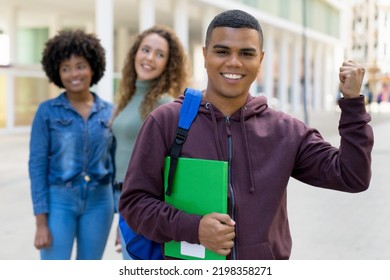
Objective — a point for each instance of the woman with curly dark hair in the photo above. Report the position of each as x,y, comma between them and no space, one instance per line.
156,71
71,166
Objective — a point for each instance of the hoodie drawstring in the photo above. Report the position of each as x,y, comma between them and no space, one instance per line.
216,135
246,146
245,140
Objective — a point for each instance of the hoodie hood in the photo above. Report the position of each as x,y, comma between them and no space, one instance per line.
253,106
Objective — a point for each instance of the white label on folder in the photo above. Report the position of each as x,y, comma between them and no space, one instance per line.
192,250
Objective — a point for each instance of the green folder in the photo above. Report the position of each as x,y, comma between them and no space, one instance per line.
199,187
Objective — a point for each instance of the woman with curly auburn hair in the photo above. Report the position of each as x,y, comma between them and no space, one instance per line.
71,166
156,71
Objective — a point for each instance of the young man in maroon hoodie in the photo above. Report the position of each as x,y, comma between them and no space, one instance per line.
263,147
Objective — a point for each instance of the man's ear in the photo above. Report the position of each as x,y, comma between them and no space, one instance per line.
261,60
261,57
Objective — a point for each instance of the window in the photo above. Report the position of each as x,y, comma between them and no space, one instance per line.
4,50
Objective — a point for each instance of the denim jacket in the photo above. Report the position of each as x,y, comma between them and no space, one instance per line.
67,150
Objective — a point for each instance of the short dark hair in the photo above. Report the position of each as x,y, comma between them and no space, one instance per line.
234,19
73,42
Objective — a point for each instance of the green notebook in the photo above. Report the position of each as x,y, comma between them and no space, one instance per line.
199,187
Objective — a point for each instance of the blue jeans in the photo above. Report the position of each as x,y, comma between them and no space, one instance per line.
80,213
125,255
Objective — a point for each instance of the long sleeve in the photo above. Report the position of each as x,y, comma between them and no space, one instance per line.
39,162
347,168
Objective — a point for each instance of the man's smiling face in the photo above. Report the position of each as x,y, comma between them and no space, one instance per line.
232,59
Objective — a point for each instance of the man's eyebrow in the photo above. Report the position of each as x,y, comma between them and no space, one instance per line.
249,49
219,46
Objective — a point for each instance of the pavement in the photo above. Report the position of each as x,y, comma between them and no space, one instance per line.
325,225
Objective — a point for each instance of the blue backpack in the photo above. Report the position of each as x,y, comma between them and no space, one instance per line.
138,246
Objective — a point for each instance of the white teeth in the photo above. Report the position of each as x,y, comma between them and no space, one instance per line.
147,66
233,76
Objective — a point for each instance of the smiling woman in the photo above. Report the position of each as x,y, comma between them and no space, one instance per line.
71,165
76,75
154,73
151,57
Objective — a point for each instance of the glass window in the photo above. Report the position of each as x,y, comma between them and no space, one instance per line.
29,92
4,50
31,42
3,100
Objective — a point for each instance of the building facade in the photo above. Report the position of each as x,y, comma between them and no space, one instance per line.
303,44
370,40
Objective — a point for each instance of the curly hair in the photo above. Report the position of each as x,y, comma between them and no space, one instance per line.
73,42
172,81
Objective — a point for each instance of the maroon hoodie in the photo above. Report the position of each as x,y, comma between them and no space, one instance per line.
266,148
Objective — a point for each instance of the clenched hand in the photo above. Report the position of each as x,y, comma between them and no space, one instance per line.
216,233
351,77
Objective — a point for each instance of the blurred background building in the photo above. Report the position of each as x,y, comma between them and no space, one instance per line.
305,42
369,42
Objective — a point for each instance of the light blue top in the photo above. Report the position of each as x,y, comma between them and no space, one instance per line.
66,149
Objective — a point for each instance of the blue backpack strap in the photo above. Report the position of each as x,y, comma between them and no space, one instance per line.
188,112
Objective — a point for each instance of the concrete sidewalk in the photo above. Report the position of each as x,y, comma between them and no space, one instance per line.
332,225
324,224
